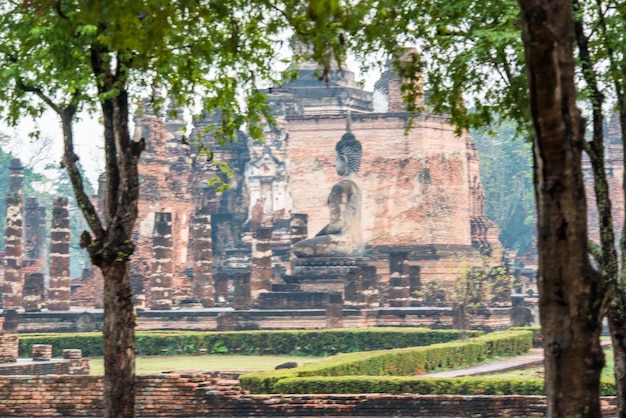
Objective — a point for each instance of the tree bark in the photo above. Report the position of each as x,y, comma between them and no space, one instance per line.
569,289
119,341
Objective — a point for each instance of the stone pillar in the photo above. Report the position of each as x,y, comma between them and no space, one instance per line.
13,253
353,289
398,291
34,230
242,299
334,311
261,275
162,263
137,286
369,286
16,177
202,256
221,288
34,292
298,227
59,291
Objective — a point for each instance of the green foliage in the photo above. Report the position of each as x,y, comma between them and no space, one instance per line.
537,334
305,343
471,54
479,385
478,282
506,172
400,362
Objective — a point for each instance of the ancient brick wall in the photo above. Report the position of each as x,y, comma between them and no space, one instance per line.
52,367
165,170
414,186
197,394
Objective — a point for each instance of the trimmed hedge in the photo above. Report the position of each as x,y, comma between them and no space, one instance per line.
305,343
478,385
400,362
470,385
537,335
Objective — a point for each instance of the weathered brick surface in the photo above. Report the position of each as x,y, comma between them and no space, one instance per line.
202,255
198,394
261,275
59,292
9,346
54,366
162,263
13,253
414,186
33,296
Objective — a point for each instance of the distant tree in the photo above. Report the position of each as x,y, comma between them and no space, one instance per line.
506,172
471,285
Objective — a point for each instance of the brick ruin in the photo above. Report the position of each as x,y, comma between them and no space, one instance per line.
422,195
209,394
422,208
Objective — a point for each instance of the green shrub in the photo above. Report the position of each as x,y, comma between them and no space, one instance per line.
477,385
471,385
537,335
401,362
306,343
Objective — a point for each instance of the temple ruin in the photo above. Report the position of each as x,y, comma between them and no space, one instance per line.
197,247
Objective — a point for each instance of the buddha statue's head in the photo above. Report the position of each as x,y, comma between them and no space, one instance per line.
349,152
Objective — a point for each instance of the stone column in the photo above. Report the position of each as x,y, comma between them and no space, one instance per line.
34,292
353,290
398,291
298,225
334,311
202,256
34,230
13,253
16,177
261,275
242,299
162,262
221,288
59,291
369,286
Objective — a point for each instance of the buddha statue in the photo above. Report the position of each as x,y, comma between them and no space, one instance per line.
342,236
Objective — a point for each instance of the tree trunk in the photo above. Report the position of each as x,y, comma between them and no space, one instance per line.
569,289
119,341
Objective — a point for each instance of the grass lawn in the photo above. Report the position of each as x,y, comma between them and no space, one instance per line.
158,364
